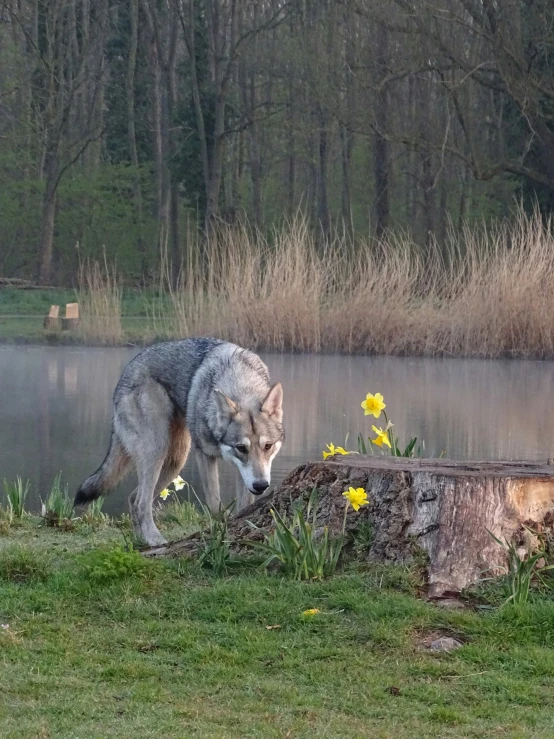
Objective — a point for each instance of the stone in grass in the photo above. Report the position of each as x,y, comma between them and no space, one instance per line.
445,644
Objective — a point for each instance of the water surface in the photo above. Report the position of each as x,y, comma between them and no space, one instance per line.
55,409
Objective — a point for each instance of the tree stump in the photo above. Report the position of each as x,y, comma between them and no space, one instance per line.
52,320
443,508
71,319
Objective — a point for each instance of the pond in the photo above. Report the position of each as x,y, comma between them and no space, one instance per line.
56,407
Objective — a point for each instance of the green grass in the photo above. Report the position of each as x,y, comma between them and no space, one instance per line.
14,301
22,313
37,302
168,650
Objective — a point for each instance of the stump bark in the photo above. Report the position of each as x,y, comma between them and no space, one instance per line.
443,508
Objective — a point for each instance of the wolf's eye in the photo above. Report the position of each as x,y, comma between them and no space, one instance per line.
242,448
268,446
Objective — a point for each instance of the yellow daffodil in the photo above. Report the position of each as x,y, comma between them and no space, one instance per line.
164,494
311,612
334,450
382,437
373,405
356,497
178,483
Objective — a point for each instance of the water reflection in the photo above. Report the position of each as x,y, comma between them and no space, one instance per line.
56,405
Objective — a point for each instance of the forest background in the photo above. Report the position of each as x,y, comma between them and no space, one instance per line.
130,124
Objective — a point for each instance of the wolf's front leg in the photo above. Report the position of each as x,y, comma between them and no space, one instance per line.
207,466
243,496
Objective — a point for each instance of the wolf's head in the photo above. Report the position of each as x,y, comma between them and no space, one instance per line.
253,436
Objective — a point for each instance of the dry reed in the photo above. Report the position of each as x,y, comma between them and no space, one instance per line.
99,297
492,294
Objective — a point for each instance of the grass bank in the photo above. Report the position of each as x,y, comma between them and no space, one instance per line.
485,293
91,647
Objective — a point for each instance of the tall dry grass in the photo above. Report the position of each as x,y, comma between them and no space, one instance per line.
99,296
500,299
238,286
492,294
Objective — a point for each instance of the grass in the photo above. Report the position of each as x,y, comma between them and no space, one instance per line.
486,292
181,513
166,649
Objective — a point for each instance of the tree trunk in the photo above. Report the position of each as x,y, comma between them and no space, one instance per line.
323,159
546,146
291,149
428,197
47,223
176,251
346,156
442,508
131,132
216,168
160,210
255,154
380,144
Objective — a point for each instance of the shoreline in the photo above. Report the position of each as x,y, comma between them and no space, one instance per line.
72,341
488,301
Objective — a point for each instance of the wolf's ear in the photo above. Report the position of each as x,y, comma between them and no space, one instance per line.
226,406
273,403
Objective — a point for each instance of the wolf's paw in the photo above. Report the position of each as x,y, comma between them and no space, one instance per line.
156,541
153,538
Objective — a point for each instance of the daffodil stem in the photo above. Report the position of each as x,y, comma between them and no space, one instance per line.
344,519
391,436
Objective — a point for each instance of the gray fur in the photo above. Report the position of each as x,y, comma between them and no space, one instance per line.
204,393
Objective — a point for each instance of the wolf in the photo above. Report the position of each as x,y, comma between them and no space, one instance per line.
205,393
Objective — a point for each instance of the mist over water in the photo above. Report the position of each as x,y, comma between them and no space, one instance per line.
55,410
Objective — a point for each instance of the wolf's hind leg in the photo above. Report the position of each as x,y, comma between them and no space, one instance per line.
149,469
141,500
207,466
179,447
146,420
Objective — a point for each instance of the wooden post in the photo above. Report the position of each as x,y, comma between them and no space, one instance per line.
443,509
52,320
71,320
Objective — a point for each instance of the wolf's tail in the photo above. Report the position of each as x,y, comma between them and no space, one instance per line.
114,467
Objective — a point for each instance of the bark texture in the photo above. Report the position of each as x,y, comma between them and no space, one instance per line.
443,508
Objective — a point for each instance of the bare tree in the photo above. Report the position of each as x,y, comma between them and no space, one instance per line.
229,29
130,82
66,42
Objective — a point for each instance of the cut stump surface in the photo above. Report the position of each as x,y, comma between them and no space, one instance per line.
444,508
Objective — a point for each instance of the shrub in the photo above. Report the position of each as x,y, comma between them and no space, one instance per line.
114,563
